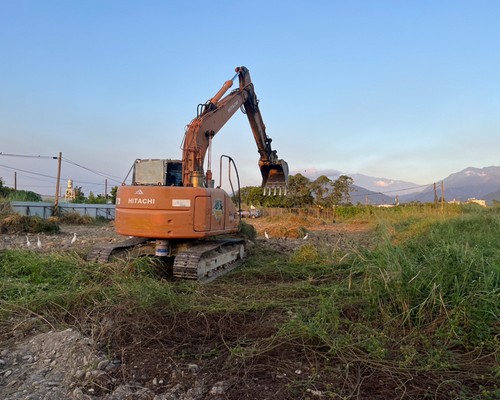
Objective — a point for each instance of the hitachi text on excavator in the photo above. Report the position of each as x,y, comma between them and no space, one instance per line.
173,206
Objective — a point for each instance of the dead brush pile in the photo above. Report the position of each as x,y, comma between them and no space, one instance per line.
5,209
15,223
73,218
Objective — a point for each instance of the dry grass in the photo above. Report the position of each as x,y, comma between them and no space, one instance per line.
15,223
73,218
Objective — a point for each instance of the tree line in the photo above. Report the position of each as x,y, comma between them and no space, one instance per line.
302,192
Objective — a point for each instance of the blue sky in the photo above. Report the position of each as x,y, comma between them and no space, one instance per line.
396,89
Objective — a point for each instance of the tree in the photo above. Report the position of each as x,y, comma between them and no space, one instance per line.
114,190
252,195
321,189
322,192
273,201
93,199
79,195
299,191
341,193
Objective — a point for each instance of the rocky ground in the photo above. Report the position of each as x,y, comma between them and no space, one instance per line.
68,365
37,363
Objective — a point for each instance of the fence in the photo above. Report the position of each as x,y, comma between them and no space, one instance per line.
45,210
107,211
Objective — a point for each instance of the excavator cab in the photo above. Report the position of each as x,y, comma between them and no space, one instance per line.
274,177
157,172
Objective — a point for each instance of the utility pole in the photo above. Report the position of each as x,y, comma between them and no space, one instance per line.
15,181
435,195
56,202
105,188
442,195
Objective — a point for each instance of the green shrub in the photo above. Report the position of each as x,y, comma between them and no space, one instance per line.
18,195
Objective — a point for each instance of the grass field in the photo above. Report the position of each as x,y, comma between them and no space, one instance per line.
413,315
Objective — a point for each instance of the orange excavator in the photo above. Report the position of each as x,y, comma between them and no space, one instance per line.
174,207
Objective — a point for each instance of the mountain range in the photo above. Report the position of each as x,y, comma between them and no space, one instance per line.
479,183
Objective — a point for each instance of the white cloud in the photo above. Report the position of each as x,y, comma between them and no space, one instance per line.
383,184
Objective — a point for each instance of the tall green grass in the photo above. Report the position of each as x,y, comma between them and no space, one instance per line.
45,283
445,281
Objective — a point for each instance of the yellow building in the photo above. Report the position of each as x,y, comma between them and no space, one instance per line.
70,192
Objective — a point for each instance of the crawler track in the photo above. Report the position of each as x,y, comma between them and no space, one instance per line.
103,252
203,261
206,261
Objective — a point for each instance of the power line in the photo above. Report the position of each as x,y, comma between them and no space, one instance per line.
26,156
385,192
103,174
28,172
402,190
100,173
47,176
30,177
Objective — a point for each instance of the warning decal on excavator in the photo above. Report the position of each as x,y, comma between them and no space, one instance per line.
218,209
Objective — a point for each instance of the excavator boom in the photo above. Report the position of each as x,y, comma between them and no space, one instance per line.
213,116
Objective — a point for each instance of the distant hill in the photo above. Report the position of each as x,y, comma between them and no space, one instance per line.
492,196
378,190
364,196
468,183
389,186
479,183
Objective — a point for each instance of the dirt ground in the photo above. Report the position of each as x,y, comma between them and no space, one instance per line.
86,237
38,363
287,233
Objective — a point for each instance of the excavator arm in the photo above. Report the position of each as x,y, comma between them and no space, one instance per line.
212,117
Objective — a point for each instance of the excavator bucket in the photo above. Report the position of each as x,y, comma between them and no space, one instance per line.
275,178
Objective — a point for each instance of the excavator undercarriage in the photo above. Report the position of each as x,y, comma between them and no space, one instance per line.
203,261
